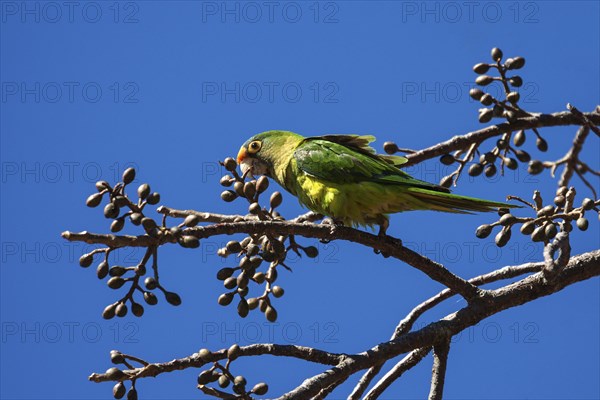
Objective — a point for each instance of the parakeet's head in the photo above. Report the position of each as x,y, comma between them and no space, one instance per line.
262,154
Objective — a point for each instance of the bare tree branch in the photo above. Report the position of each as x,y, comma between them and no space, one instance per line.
438,373
407,323
388,245
463,141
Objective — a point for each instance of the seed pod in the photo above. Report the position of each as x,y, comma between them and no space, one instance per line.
137,309
276,200
223,381
173,298
587,204
490,170
271,275
311,251
550,231
483,231
498,110
233,352
148,224
535,167
102,270
228,196
121,310
252,303
238,188
513,97
226,180
150,283
254,208
262,184
277,291
476,93
481,68
242,308
486,99
496,54
539,234
114,373
119,390
485,115
243,292
111,211
189,242
510,163
116,357
230,282
117,270
522,155
230,164
515,63
140,270
484,80
204,377
191,220
528,227
132,394
242,280
94,200
447,159
240,380
109,311
507,219
559,200
128,175
259,277
224,273
150,298
115,282
446,181
86,260
541,144
502,143
546,211
503,237
260,389
519,138
204,354
249,190
582,223
136,218
475,169
233,246
516,81
143,191
262,305
153,198
101,185
390,147
502,211
117,225
271,314
225,299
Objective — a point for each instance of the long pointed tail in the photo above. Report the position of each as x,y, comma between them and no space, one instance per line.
447,202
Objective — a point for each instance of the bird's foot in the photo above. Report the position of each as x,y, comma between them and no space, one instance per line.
333,224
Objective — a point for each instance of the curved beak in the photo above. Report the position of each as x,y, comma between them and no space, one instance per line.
242,154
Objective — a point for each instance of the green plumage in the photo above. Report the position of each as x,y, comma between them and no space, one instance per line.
342,177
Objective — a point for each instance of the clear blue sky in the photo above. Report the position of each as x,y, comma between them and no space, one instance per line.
171,87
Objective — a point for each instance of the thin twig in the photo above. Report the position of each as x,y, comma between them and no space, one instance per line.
411,359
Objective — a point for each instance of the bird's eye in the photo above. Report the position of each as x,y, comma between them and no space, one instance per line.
254,147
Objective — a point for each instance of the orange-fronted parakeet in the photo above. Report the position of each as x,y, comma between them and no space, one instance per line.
342,177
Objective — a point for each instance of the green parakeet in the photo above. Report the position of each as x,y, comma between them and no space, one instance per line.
342,177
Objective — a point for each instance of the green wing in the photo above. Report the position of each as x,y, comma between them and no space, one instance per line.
350,159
